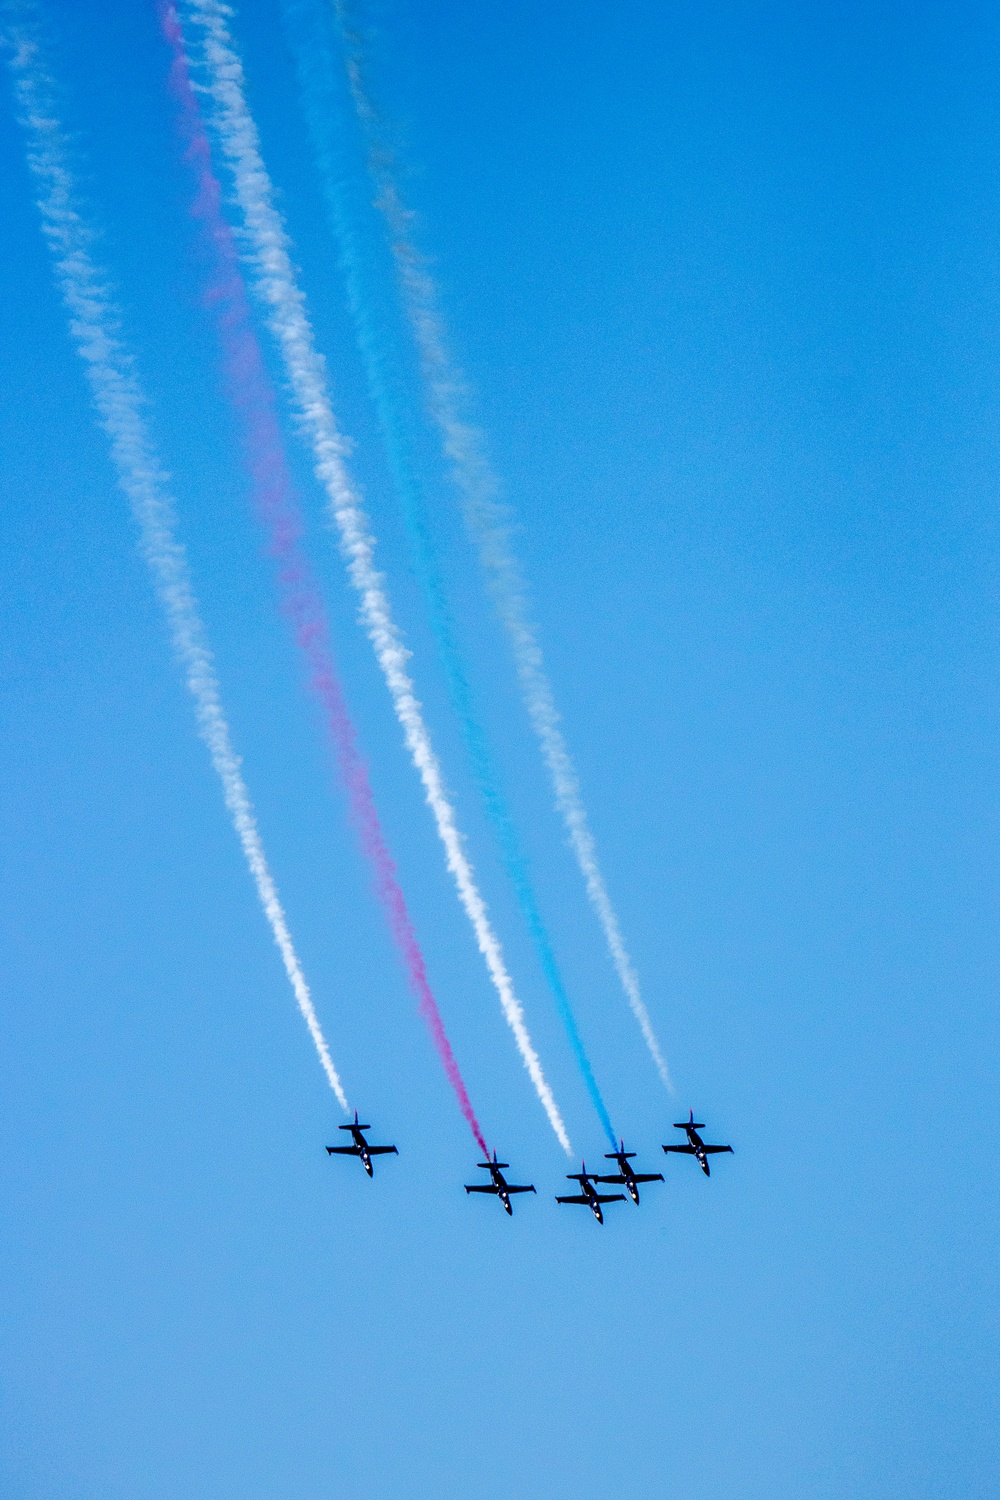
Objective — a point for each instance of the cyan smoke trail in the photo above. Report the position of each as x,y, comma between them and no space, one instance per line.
316,69
253,397
485,517
95,325
276,284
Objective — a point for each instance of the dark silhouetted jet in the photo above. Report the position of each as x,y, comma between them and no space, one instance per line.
361,1147
625,1175
500,1186
696,1146
588,1194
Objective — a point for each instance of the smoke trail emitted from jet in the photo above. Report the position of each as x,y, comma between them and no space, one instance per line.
253,398
277,287
485,517
316,72
95,327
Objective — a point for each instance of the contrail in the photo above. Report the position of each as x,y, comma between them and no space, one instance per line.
95,327
253,397
487,520
277,286
315,65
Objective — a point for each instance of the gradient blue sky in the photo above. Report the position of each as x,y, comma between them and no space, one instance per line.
725,282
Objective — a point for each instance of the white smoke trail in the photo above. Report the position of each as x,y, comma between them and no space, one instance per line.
479,489
94,324
277,286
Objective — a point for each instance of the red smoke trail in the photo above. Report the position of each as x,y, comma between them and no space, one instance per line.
252,395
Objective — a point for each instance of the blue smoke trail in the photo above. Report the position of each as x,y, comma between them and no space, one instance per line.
323,102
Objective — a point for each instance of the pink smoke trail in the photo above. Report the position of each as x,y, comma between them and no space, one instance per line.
253,396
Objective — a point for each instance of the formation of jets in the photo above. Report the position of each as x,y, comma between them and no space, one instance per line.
587,1197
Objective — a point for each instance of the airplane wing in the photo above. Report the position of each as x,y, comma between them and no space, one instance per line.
642,1177
574,1198
343,1150
514,1188
382,1151
616,1178
483,1187
610,1197
685,1150
712,1150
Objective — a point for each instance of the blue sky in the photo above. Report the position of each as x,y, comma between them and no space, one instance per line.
723,279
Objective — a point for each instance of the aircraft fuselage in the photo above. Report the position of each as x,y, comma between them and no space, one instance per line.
591,1194
362,1146
698,1146
501,1186
627,1177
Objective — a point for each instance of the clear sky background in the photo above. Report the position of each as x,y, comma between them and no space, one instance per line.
725,282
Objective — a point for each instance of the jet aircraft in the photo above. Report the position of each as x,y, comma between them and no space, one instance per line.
361,1147
499,1185
696,1146
625,1174
588,1194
